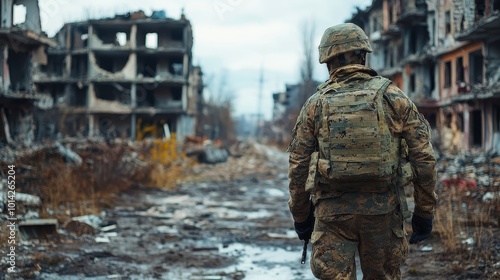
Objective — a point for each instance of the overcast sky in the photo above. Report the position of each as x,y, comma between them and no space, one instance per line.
236,38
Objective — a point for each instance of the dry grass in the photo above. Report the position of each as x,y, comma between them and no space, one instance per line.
166,176
68,190
466,227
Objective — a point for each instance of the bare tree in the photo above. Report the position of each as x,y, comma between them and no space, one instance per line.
307,84
307,64
217,121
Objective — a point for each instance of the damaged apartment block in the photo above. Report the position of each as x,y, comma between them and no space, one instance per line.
445,55
130,76
22,47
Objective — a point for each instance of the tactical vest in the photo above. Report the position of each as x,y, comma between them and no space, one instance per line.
355,143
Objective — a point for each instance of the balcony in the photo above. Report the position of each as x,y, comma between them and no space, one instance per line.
412,11
483,29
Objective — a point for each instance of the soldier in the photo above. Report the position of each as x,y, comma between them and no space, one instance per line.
345,172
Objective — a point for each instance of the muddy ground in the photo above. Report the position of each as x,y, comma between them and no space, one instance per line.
221,227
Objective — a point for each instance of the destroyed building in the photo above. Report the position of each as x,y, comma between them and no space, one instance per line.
286,106
130,76
22,48
445,55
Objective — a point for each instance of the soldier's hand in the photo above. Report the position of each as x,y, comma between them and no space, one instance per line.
421,229
304,229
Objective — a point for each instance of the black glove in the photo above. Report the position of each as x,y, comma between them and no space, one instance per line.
421,229
304,229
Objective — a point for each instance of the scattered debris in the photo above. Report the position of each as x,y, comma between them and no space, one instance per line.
206,151
426,249
68,155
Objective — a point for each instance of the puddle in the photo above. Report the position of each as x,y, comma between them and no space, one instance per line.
268,263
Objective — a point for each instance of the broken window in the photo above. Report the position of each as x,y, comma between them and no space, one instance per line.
79,66
79,96
412,83
113,92
431,79
460,121
151,40
496,120
432,27
495,5
447,17
113,35
121,38
145,95
480,9
391,17
431,118
168,97
178,67
412,44
476,67
476,128
56,91
80,37
19,14
68,95
111,63
447,74
55,66
375,26
147,66
178,35
459,70
19,65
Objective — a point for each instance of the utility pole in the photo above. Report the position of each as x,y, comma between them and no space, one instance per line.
259,113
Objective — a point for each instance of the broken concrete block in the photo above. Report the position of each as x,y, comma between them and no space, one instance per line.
78,228
68,155
28,199
41,229
88,224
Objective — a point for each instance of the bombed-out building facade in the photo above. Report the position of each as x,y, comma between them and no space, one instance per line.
22,48
445,55
130,76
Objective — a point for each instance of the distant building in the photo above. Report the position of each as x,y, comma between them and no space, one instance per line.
130,76
22,47
286,106
445,55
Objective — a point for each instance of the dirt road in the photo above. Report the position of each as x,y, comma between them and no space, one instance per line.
237,229
205,230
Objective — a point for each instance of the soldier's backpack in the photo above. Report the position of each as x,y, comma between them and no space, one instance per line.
355,143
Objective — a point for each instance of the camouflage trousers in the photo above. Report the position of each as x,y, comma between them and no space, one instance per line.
379,239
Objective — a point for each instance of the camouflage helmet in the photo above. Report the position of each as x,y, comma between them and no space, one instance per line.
340,39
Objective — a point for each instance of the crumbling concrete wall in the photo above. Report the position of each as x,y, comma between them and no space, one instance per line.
4,69
493,62
21,123
155,81
185,126
458,15
469,13
20,66
96,40
102,105
32,22
128,71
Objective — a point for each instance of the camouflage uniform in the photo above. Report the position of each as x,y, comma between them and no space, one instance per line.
370,222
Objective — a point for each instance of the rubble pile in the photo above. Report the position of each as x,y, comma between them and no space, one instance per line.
247,159
87,172
469,190
71,177
478,174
